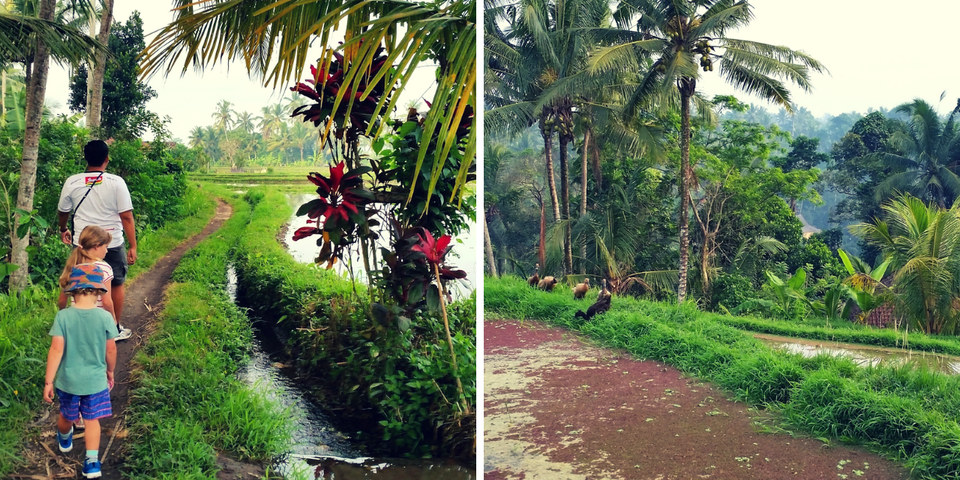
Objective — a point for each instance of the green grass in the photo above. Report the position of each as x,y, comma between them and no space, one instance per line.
26,321
907,413
187,395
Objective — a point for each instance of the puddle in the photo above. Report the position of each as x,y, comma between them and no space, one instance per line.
319,450
464,254
864,355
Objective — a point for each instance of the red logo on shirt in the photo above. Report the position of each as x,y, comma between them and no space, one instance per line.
95,180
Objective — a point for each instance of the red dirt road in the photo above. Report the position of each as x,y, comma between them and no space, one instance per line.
556,407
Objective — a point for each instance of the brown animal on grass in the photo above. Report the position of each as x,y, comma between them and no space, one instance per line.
600,306
534,280
547,283
581,289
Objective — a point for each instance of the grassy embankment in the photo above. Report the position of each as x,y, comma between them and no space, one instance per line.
906,413
26,321
400,384
188,405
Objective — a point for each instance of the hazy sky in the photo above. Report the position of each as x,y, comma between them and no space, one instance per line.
879,53
191,100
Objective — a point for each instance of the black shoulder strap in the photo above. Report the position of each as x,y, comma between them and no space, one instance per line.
72,225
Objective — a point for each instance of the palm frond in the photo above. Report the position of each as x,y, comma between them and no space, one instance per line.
67,45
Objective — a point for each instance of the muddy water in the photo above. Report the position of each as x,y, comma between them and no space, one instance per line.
463,256
863,354
319,450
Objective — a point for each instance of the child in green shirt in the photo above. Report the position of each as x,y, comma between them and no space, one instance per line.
80,363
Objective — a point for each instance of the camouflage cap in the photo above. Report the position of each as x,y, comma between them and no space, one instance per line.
86,275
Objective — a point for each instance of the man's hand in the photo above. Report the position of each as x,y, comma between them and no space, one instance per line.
66,237
109,380
132,256
48,393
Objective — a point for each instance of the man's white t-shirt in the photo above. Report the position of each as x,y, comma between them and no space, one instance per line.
102,207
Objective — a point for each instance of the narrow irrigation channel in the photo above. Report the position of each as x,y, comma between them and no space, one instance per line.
320,450
864,354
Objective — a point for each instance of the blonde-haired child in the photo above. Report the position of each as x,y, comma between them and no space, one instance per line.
91,250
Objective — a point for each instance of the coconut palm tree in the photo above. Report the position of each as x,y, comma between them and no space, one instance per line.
271,118
300,136
670,35
223,117
281,140
442,32
197,137
922,243
33,41
926,155
538,63
245,121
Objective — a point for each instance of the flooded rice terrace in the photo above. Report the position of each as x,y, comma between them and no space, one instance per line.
863,354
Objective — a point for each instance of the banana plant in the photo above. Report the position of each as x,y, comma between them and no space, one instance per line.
864,282
787,292
837,302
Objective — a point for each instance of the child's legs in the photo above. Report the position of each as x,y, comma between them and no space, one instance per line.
94,407
92,436
69,410
63,425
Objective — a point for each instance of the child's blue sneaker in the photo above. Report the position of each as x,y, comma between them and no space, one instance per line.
91,469
65,441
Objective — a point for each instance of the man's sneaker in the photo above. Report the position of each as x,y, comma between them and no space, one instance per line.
65,441
91,469
125,333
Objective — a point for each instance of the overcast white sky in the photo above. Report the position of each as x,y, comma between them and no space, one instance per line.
879,53
191,100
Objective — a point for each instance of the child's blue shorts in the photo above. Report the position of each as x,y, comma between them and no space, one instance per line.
91,406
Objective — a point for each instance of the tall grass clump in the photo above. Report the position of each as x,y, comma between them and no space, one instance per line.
188,405
906,412
25,321
397,387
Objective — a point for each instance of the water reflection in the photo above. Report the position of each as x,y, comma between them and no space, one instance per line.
864,355
463,255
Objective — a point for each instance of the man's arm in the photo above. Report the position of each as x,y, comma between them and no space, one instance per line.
65,235
130,231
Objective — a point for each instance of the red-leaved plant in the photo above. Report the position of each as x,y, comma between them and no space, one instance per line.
338,212
324,87
435,250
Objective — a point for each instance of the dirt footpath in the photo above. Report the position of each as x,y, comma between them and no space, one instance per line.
556,408
142,303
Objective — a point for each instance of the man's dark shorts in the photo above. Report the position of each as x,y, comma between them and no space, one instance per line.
117,259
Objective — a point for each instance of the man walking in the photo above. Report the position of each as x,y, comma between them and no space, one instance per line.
102,199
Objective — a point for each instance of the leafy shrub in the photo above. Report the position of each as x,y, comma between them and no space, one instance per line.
730,290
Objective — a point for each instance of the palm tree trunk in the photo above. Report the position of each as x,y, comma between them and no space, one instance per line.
96,84
547,134
488,247
542,249
687,87
587,136
3,92
565,197
36,90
